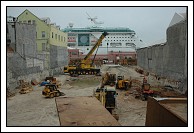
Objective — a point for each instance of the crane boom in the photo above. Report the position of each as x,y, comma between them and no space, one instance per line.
95,46
86,66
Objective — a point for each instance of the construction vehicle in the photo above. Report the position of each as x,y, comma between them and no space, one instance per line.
106,93
86,65
51,91
53,80
123,83
146,91
108,79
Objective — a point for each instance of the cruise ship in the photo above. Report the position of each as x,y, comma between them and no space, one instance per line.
119,39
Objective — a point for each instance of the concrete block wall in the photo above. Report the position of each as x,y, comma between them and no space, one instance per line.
58,59
168,60
25,62
26,39
11,34
13,82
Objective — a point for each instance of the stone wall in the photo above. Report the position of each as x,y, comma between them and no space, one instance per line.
24,62
170,59
58,59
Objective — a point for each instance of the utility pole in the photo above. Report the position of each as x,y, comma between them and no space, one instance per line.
107,50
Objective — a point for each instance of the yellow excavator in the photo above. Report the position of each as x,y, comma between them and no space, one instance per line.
123,83
86,65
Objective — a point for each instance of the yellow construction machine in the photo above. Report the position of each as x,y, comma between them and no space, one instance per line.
106,93
51,91
107,96
108,79
123,83
86,65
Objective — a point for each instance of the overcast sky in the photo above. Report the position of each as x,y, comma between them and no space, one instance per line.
149,23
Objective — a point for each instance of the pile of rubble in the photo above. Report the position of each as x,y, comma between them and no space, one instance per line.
141,71
9,93
25,87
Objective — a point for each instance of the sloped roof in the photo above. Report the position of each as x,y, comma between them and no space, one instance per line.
178,17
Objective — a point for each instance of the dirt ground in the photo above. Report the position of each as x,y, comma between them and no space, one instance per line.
33,109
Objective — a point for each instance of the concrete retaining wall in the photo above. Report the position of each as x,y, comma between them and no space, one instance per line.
23,63
13,82
58,59
168,60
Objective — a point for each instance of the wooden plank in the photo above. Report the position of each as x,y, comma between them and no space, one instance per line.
83,111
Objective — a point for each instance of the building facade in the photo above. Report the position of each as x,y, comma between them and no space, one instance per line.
50,40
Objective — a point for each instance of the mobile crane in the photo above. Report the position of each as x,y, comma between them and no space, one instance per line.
86,65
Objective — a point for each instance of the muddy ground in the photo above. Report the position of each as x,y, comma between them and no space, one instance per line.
33,109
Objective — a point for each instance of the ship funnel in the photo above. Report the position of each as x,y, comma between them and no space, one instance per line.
70,24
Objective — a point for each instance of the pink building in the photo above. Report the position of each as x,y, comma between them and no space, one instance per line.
112,57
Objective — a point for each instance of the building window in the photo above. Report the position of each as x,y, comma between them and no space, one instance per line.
29,21
24,21
64,39
43,34
74,53
43,47
59,37
33,22
56,36
52,34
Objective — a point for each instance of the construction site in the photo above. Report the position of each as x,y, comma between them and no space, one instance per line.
147,90
33,109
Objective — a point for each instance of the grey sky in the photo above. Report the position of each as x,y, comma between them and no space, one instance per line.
150,23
